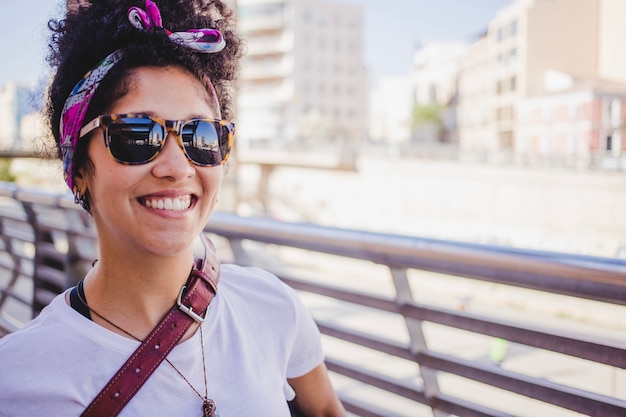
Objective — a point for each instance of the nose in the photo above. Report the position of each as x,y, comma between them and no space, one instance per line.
171,162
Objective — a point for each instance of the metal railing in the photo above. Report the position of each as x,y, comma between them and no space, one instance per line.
395,346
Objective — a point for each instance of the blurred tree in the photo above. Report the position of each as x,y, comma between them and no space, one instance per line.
430,118
428,114
5,170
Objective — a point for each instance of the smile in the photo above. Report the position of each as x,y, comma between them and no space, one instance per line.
176,204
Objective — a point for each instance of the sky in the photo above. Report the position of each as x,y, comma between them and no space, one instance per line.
393,29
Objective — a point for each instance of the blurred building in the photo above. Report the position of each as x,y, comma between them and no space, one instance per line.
436,66
419,108
15,103
391,102
557,58
303,80
435,73
581,125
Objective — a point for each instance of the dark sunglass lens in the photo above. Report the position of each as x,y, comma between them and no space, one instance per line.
202,142
134,140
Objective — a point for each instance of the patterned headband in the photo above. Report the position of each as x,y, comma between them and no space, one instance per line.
75,108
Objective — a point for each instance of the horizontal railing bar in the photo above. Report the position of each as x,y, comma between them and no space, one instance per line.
376,380
577,345
363,244
362,409
390,347
11,294
7,325
9,264
13,216
41,197
460,407
43,296
19,234
540,270
351,296
540,389
50,276
48,251
47,225
37,196
17,267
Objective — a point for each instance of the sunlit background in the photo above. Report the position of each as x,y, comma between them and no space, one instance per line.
493,121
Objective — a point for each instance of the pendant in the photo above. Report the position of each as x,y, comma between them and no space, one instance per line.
208,408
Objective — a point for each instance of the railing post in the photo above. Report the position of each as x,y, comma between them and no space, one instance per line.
417,339
239,253
38,259
8,247
54,270
77,263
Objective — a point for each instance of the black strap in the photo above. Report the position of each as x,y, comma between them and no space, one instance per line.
78,293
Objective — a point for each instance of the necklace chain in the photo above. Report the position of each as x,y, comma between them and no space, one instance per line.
206,402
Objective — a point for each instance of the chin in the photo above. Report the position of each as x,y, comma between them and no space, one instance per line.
164,246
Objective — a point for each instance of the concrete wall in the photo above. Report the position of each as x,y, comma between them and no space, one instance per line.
578,212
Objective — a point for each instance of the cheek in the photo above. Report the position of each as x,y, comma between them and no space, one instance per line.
212,179
109,178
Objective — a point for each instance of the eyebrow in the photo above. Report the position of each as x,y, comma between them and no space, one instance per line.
190,117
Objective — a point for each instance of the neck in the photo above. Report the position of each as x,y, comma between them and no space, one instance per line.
136,294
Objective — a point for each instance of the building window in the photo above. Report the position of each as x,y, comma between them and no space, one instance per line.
547,116
572,145
504,114
513,29
261,11
615,110
506,140
513,57
575,112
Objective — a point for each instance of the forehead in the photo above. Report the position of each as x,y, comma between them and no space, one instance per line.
167,92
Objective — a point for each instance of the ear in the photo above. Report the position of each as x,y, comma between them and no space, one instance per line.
80,182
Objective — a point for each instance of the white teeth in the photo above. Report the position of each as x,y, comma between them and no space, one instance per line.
175,204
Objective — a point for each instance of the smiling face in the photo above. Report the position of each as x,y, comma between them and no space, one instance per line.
159,207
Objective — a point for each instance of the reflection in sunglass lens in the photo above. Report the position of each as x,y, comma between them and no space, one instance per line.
201,142
134,140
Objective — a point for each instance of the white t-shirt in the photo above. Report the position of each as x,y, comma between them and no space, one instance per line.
257,334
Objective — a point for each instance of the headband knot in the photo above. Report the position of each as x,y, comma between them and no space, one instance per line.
200,40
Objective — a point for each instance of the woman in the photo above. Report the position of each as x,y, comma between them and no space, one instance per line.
138,107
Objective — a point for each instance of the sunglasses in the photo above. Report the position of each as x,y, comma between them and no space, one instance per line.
137,138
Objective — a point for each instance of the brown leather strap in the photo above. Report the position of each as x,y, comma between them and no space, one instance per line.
192,306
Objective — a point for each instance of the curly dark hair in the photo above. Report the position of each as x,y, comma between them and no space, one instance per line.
91,30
